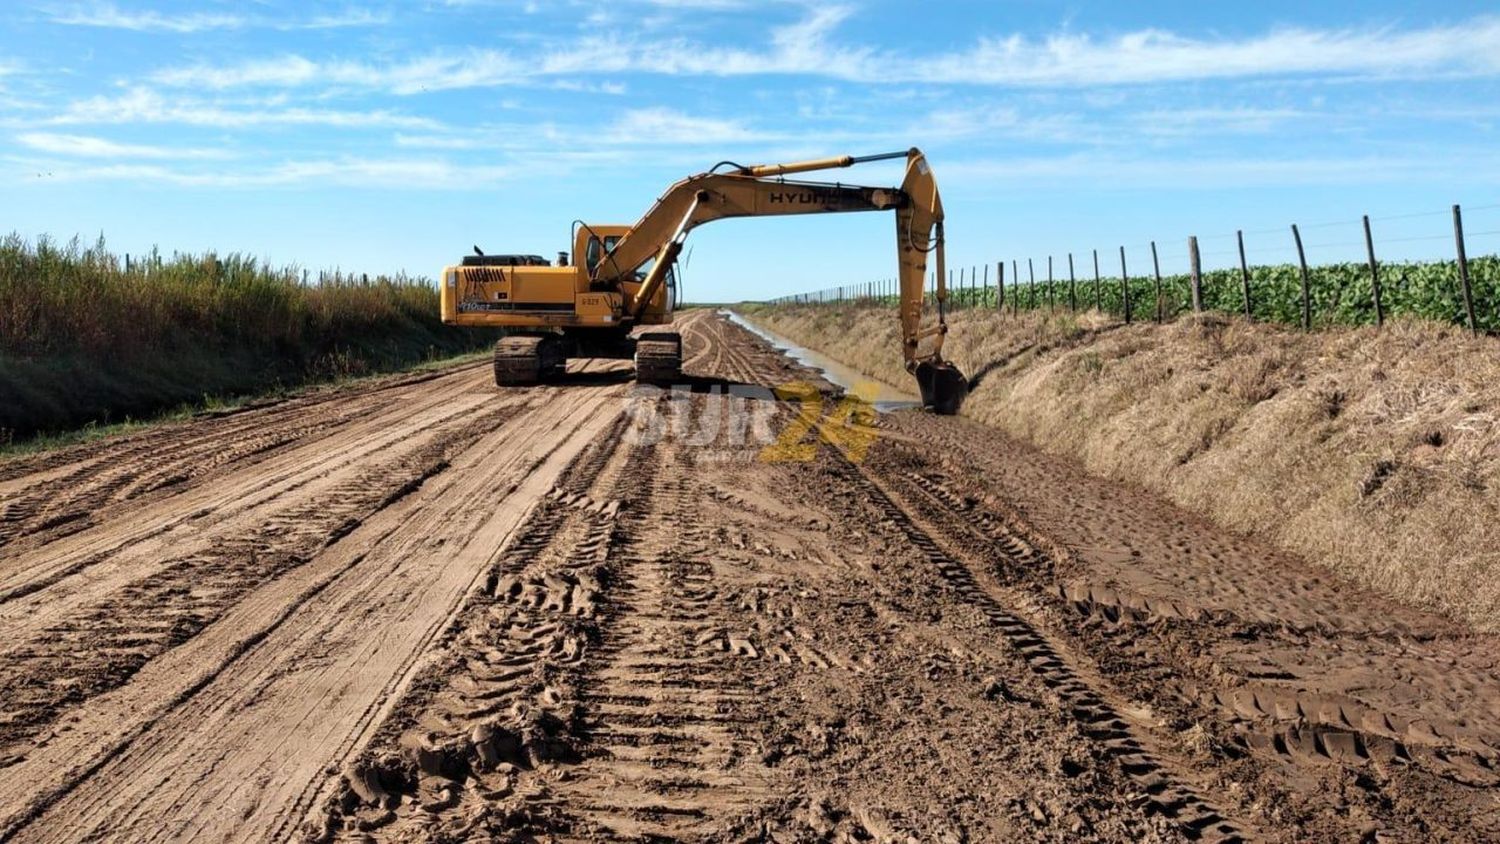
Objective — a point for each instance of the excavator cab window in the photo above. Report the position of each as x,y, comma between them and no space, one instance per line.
671,281
596,254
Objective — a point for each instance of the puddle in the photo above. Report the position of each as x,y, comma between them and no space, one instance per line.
887,398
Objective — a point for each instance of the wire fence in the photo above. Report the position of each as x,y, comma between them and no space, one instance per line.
1128,281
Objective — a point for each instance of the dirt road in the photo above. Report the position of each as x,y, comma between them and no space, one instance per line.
428,609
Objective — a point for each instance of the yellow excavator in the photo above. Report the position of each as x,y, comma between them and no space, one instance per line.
622,278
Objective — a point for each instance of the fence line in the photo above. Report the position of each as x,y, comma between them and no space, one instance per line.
1460,290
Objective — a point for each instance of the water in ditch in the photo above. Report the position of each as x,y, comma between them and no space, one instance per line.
885,397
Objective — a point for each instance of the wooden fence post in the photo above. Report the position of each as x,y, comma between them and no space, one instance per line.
1015,287
1072,286
999,285
1463,268
1124,286
1306,289
1156,269
1244,274
1196,267
1051,299
985,292
1098,299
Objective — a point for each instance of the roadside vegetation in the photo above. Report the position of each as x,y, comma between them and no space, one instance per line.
1373,452
1340,294
89,338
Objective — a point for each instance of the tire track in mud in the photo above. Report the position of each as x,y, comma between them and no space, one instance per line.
138,538
1266,713
1101,721
499,698
42,466
665,701
99,646
230,757
580,696
730,360
68,488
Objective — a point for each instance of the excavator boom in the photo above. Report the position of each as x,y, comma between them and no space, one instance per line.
763,190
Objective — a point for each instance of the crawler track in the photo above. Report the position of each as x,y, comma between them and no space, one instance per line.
428,608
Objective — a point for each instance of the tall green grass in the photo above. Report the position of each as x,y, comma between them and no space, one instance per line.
89,336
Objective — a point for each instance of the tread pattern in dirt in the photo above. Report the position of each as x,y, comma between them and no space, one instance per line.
131,467
1100,721
103,645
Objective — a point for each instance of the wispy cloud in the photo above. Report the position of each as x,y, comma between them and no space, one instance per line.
796,48
1113,171
669,126
144,105
454,69
807,48
468,140
1244,120
417,174
110,16
84,146
1158,56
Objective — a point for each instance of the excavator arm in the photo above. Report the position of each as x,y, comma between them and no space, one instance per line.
763,190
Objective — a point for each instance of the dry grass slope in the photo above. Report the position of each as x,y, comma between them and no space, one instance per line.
1373,453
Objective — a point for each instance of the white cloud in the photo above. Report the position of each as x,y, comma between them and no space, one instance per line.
144,105
797,48
466,141
1243,120
806,47
1158,56
419,174
109,16
667,126
1110,171
346,19
84,146
464,69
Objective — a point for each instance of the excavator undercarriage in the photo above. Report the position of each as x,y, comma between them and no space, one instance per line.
528,359
525,359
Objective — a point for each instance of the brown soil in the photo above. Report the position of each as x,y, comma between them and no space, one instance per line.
1372,453
423,610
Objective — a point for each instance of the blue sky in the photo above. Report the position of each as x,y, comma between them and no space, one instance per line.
388,136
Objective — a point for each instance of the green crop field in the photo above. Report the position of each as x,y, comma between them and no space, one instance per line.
1338,294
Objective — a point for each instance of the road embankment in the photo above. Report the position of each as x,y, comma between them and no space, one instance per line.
1373,453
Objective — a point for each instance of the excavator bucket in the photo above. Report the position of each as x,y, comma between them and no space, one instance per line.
943,386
